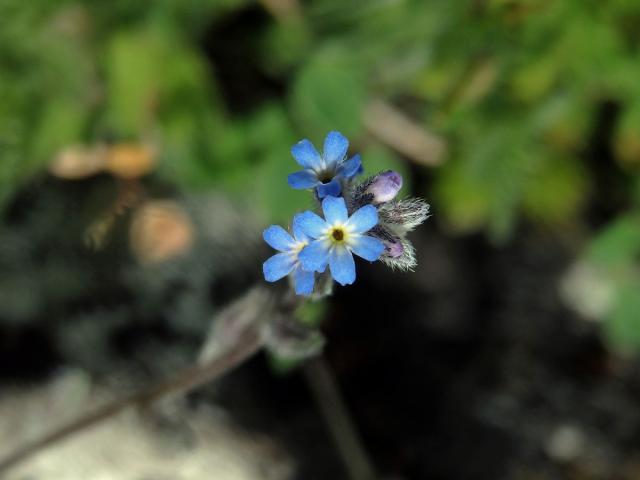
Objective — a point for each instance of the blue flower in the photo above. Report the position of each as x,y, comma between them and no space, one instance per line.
282,264
337,237
324,172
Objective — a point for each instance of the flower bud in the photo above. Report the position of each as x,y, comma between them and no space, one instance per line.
385,186
399,253
404,215
393,249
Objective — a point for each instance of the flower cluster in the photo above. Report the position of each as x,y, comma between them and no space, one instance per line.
364,219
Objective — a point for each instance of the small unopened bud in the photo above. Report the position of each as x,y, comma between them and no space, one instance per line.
385,186
399,253
393,249
404,215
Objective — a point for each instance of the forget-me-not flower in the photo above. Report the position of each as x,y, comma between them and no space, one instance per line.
337,236
282,264
324,172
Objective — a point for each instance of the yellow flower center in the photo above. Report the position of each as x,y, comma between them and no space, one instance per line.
337,234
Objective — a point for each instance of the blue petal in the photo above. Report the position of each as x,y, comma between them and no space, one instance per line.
278,238
278,266
343,268
364,219
351,167
298,232
304,281
314,256
332,188
335,148
335,210
302,179
367,247
306,155
311,224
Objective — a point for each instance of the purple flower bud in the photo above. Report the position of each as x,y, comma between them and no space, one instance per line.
385,186
393,249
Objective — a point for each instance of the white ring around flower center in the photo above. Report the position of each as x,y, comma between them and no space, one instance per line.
339,234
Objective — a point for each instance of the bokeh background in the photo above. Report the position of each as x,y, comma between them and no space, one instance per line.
145,145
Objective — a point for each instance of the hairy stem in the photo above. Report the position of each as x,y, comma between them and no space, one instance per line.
337,417
247,345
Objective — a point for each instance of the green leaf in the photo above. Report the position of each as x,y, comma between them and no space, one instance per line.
273,195
617,244
61,124
462,202
136,62
312,314
269,138
556,190
329,93
622,329
626,142
284,44
376,159
484,185
282,365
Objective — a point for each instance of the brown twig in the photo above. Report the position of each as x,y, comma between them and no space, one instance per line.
393,128
283,10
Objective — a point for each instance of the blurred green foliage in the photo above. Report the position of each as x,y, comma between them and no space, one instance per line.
513,85
516,87
615,255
